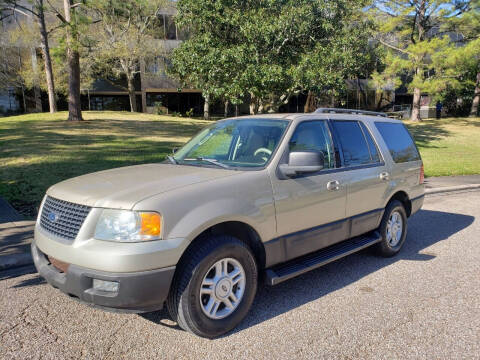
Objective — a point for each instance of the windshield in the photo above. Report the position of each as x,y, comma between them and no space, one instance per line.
234,143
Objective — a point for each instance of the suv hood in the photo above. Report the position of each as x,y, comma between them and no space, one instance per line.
122,188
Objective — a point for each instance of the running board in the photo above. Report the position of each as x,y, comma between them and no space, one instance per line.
303,264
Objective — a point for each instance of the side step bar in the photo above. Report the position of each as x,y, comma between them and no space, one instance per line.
301,265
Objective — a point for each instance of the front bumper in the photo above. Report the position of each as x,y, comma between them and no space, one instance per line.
138,291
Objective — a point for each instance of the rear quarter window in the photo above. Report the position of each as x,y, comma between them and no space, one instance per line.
399,141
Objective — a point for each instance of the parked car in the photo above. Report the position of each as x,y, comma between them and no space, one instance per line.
258,197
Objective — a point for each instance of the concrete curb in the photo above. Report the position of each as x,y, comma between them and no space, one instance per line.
445,189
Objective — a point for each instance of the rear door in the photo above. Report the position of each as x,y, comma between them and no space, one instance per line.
368,177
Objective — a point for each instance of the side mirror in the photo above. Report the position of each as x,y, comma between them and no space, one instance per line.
302,162
174,150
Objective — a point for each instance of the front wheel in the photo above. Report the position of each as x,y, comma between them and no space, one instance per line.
393,229
214,287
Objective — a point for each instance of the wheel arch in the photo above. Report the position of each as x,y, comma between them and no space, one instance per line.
403,197
238,229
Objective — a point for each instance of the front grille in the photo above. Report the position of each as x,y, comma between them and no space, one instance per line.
62,218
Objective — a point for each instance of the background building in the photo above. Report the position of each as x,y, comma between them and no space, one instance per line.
158,93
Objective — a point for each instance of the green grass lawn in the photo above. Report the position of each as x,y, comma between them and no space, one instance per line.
39,150
449,146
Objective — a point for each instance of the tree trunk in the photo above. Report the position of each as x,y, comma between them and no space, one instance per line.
310,103
36,89
416,105
225,112
261,107
74,101
379,102
131,92
47,59
253,104
476,98
73,61
236,109
206,107
417,95
420,19
142,85
22,87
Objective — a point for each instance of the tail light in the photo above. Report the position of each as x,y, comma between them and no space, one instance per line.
422,175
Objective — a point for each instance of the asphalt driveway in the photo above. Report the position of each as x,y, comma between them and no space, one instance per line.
424,303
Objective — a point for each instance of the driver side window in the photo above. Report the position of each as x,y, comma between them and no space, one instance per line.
314,136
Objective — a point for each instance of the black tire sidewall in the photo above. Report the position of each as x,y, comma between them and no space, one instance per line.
190,302
385,248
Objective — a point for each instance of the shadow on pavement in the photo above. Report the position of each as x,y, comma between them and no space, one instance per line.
20,271
37,280
425,229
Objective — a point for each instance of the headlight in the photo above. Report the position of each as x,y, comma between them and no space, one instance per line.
128,226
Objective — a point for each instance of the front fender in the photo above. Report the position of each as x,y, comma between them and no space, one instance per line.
246,197
215,212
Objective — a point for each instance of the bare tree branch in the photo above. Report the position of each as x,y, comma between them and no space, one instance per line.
394,47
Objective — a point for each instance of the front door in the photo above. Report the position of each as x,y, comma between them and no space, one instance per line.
310,209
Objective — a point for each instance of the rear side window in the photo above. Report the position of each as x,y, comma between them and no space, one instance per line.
354,145
399,141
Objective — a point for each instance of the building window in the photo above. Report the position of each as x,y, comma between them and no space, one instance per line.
167,29
156,99
158,65
170,28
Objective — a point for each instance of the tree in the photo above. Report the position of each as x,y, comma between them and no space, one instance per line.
406,28
255,48
476,97
345,55
10,67
193,64
463,18
124,36
36,11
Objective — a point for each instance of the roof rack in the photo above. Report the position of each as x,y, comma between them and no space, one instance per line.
348,111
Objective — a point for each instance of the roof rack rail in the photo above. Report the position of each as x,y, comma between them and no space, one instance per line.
348,111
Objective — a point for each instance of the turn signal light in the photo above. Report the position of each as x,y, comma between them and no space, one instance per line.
151,224
422,175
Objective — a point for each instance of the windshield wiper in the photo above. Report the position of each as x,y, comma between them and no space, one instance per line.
172,160
210,161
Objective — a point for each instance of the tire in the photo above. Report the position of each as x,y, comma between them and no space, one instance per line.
200,266
392,242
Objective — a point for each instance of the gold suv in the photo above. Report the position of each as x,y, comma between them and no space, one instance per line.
269,196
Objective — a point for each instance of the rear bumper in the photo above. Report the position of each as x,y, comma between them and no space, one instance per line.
137,292
417,204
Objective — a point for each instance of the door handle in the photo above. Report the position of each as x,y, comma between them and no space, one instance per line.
333,185
385,176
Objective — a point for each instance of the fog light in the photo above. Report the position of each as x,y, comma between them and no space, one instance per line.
103,285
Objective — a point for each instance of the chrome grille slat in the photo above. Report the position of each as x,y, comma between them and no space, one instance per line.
70,217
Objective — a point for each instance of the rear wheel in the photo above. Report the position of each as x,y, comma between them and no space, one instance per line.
214,287
393,229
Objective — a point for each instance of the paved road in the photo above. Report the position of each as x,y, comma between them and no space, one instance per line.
425,303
